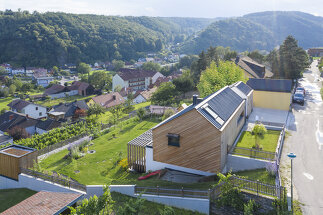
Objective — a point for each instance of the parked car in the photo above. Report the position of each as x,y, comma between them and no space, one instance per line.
298,98
301,89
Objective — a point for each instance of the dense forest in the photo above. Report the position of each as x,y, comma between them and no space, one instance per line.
262,31
47,39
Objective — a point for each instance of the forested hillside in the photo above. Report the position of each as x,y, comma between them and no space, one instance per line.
56,38
262,31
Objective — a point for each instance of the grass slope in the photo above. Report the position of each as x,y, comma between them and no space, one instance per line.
257,174
11,197
4,102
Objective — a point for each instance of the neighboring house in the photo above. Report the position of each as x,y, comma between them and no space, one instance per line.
59,91
10,119
124,92
135,79
7,67
47,125
68,111
42,78
45,202
83,89
196,139
5,139
271,93
144,96
315,52
30,109
18,71
159,110
107,100
251,68
31,70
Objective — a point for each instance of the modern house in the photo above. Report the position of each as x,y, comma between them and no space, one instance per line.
30,109
271,93
144,96
68,111
135,79
251,68
196,139
107,100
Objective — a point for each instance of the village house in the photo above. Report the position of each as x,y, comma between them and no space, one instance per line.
68,111
251,68
315,52
43,126
108,100
7,67
196,139
83,89
143,96
10,119
77,88
42,78
30,109
18,71
135,79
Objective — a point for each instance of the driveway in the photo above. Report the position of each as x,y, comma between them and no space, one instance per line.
305,125
268,115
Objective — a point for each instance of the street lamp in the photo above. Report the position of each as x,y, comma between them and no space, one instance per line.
291,156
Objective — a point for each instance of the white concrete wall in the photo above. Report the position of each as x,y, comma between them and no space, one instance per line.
29,182
139,99
239,163
32,112
97,190
117,80
17,72
155,165
156,76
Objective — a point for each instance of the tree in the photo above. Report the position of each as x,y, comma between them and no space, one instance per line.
141,112
100,79
116,113
165,94
256,56
216,77
18,133
12,89
151,66
117,64
95,109
132,207
18,84
258,130
95,205
230,55
187,61
55,71
184,83
83,68
3,71
168,112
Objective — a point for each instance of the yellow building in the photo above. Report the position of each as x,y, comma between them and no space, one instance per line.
271,93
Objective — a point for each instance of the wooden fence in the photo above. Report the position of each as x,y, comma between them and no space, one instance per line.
265,155
55,179
200,194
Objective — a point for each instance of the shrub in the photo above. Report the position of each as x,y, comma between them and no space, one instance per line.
168,113
271,169
259,129
251,207
123,163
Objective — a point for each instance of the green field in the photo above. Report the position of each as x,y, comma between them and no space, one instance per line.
102,167
52,102
4,102
11,197
268,141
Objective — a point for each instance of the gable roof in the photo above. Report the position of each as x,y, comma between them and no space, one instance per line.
48,124
77,85
18,104
44,202
70,108
11,119
148,93
127,74
242,87
54,89
255,69
108,100
217,108
272,85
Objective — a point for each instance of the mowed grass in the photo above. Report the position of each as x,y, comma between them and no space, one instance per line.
258,174
102,167
68,99
4,102
268,141
11,197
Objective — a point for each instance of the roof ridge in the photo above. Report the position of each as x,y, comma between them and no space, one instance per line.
210,97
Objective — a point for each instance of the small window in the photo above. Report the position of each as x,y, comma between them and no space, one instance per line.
40,114
173,139
36,108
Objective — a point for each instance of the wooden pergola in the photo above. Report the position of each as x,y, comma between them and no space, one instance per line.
137,151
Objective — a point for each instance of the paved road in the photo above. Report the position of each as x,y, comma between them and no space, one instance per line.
306,141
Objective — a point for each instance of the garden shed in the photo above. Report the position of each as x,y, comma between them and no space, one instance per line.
14,157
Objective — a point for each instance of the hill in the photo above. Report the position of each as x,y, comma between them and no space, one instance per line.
262,31
47,39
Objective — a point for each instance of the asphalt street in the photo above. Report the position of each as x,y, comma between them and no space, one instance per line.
305,124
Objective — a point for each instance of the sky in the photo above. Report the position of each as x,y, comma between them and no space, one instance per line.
166,8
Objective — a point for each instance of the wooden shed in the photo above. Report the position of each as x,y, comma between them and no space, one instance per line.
14,157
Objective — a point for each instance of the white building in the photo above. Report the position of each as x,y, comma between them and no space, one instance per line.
32,110
18,71
135,79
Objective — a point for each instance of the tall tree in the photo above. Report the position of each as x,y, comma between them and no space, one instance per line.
165,94
184,83
151,66
83,68
100,79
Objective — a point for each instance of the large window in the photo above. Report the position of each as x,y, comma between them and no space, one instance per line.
173,139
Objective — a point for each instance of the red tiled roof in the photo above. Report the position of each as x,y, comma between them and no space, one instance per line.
77,85
107,100
56,88
127,74
44,203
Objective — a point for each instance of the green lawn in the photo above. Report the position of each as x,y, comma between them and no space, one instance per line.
52,102
268,141
4,102
150,208
102,167
257,174
11,197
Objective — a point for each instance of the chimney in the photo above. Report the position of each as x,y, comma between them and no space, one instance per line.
194,99
114,97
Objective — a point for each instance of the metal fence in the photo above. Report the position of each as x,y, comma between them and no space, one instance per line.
55,179
60,144
201,194
266,155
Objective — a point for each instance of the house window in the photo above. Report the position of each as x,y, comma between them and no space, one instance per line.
240,118
36,108
40,113
173,139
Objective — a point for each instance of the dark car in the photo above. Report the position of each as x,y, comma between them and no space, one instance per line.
300,89
298,98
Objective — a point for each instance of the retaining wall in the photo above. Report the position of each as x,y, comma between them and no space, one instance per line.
240,163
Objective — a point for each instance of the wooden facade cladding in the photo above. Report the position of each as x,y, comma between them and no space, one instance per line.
200,143
137,157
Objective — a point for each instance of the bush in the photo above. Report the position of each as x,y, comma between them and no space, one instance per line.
259,129
251,207
124,163
168,113
271,169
